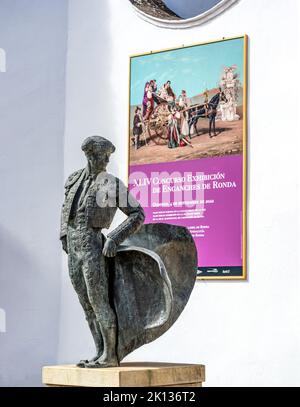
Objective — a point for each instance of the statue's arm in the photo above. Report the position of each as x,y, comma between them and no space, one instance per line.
135,215
63,227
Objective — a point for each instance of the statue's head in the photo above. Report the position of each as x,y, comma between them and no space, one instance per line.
97,150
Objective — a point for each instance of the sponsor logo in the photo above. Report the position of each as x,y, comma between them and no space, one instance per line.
213,271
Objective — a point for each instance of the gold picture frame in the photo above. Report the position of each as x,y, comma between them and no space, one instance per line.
245,38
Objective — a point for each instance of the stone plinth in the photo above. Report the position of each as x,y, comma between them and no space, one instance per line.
127,375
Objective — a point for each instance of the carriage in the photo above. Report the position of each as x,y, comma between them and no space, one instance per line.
156,127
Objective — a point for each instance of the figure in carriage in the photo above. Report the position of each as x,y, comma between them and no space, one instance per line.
148,101
167,121
166,93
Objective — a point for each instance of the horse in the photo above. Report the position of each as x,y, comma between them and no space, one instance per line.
210,111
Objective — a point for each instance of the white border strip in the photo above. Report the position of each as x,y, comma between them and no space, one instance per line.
189,22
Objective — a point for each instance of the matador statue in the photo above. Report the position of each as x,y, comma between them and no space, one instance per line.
133,283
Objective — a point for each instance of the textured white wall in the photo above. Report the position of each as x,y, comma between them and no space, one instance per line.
246,333
32,103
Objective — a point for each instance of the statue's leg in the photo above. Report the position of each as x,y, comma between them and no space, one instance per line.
96,277
78,282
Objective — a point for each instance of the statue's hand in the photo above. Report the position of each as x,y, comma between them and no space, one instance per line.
110,248
64,244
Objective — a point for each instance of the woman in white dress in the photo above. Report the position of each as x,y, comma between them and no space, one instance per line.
184,103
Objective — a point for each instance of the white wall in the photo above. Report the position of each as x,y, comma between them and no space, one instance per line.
246,333
32,102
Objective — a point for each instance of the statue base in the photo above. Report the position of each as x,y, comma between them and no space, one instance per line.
127,375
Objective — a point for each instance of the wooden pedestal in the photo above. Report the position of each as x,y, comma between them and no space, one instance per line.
127,375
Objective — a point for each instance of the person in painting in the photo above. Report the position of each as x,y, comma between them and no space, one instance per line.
148,101
171,95
183,105
166,93
183,100
175,138
145,98
137,127
153,85
231,108
162,93
173,129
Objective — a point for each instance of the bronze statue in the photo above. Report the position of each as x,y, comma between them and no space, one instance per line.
133,284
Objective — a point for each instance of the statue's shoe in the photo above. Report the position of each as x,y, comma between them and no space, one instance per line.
98,364
82,363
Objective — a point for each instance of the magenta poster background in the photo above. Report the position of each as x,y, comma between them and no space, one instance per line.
217,226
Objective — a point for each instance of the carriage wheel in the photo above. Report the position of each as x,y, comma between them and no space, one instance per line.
157,127
158,132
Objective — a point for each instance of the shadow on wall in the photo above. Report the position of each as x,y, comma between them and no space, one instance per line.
89,110
108,112
26,342
89,107
32,103
111,109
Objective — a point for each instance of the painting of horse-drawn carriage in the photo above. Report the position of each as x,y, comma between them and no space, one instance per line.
193,99
156,126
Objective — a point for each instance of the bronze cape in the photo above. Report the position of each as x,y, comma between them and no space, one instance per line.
152,278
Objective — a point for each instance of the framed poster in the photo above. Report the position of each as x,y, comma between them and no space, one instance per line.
188,150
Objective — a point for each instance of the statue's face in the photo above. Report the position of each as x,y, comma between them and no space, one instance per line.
98,160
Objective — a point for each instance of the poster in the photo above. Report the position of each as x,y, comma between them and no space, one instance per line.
187,147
